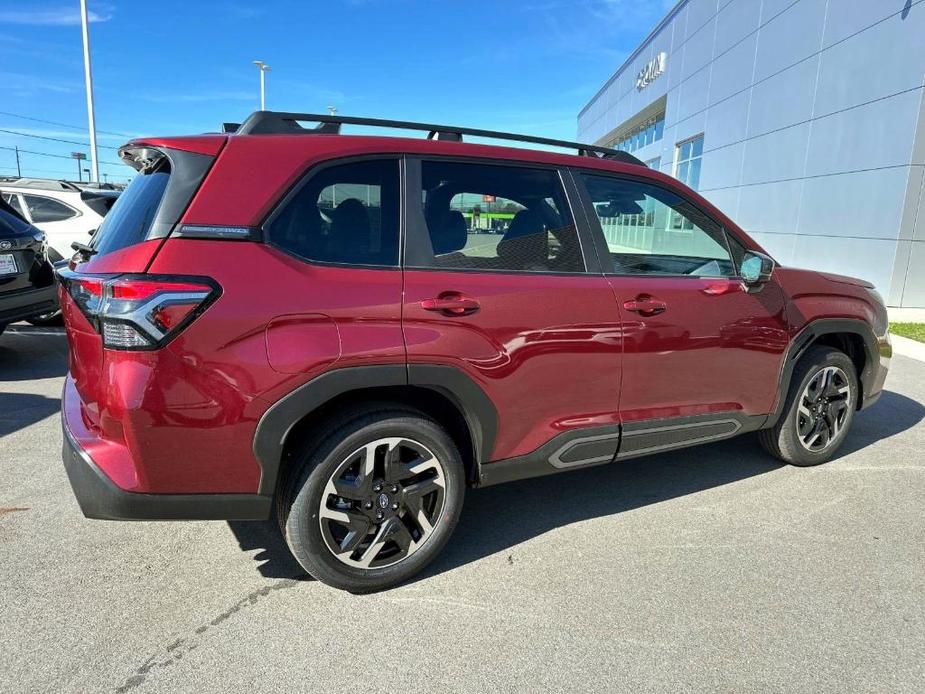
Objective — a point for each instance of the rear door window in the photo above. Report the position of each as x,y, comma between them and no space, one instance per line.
133,213
498,218
44,210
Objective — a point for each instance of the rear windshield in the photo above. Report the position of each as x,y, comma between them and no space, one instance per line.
133,213
10,223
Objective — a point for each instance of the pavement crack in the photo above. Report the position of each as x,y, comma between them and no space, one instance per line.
5,511
175,650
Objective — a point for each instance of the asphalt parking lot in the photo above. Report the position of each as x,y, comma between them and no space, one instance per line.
713,569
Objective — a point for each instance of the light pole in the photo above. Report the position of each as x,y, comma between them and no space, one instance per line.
264,69
88,76
79,156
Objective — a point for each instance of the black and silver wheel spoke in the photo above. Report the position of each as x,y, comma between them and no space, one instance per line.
823,408
392,530
415,497
356,524
382,503
359,483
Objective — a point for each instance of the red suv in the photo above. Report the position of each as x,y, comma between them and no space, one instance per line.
348,331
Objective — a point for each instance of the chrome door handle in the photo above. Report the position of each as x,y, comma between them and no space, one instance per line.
646,306
451,304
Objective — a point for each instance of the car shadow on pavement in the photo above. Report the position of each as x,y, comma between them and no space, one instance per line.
892,414
19,410
496,519
28,353
276,561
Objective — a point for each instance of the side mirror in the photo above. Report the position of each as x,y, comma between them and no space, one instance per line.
756,268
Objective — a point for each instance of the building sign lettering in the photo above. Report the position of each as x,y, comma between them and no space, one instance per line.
651,71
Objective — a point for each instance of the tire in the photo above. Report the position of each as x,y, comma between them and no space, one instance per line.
811,434
384,550
2,328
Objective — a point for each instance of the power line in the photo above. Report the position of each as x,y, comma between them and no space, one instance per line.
52,139
62,125
59,173
56,156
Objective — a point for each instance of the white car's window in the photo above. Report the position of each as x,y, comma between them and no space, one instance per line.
48,210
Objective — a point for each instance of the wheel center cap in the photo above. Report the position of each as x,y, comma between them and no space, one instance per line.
383,501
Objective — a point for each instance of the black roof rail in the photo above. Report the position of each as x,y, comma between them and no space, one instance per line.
279,123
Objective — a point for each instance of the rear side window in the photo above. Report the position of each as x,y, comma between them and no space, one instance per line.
499,218
344,214
133,213
43,209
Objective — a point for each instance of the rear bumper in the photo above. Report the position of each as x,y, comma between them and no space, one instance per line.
25,304
99,497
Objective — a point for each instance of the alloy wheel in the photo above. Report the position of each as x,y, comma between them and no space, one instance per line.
382,503
824,408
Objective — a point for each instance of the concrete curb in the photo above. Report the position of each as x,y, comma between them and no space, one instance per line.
907,347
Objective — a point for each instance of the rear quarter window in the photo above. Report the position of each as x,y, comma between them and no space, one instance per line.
133,214
346,214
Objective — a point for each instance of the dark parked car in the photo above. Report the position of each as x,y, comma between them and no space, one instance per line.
27,279
290,321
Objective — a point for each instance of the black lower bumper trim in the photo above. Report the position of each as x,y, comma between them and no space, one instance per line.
22,305
100,498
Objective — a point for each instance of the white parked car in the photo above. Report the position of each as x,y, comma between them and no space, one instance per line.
64,211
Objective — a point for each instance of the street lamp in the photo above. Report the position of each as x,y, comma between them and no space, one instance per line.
88,78
264,69
79,156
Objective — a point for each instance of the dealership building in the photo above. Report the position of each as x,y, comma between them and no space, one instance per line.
803,120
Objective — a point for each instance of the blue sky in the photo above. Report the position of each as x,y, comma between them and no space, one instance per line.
184,67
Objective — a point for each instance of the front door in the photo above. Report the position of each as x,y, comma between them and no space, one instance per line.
702,353
499,285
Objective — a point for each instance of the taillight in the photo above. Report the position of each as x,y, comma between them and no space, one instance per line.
87,293
139,312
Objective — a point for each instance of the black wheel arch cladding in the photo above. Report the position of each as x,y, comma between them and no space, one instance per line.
811,335
274,427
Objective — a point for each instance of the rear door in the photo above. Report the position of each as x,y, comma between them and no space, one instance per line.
501,284
701,352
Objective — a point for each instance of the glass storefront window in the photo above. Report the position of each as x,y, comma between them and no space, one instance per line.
644,134
688,157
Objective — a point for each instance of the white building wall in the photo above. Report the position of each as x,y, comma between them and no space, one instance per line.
814,126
